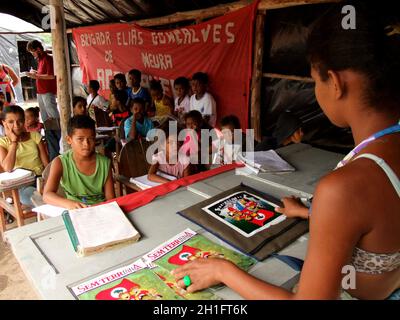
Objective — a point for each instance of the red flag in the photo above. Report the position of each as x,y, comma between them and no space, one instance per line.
115,292
262,216
183,256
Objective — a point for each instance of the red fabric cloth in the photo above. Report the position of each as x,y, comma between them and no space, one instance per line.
135,200
45,66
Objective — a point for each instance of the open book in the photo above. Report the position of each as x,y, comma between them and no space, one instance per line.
265,161
17,176
144,183
97,228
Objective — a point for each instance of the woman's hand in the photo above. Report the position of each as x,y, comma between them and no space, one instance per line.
293,208
203,273
10,133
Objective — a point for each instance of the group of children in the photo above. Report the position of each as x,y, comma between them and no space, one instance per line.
86,176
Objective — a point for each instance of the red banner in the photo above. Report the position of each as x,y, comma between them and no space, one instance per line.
221,47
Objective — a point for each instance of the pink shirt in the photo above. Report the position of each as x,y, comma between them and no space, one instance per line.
173,169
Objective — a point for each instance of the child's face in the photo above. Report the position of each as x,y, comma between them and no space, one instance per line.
227,132
191,124
172,146
30,119
91,90
137,110
83,142
14,122
80,109
180,90
134,81
120,85
198,87
2,97
155,94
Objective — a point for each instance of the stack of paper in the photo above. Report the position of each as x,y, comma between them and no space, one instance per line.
144,183
265,161
49,210
16,177
97,228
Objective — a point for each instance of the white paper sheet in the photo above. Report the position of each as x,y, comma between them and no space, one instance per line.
49,210
144,183
266,161
99,225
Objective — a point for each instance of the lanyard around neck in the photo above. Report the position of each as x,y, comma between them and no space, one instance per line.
367,141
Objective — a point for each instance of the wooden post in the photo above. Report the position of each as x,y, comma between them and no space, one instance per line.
255,105
61,65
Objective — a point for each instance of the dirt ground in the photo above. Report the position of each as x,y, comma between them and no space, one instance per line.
14,285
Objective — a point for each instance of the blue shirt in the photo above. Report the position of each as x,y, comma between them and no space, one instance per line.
141,128
142,93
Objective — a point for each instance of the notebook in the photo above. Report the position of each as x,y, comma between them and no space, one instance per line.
17,176
144,183
266,161
97,228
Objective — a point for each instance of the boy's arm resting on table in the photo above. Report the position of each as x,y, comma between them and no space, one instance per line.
50,195
43,154
8,158
330,248
153,176
109,192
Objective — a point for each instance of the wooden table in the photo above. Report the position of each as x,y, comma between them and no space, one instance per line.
46,256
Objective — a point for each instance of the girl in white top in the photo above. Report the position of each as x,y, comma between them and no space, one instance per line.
182,100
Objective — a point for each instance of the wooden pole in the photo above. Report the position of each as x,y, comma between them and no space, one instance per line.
255,105
61,65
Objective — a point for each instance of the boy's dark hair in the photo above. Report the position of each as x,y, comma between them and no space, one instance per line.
286,125
136,73
77,99
94,84
182,81
34,110
121,96
201,77
14,109
33,45
195,115
80,122
156,85
121,77
138,101
231,120
367,50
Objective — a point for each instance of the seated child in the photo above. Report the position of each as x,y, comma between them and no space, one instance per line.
288,130
162,105
193,121
78,106
136,90
228,126
121,85
201,100
182,100
32,123
21,149
118,108
138,125
94,100
169,160
84,175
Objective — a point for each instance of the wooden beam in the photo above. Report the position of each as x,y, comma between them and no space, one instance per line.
288,77
279,4
61,66
255,104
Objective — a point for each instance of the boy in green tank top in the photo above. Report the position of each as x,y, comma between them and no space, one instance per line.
84,175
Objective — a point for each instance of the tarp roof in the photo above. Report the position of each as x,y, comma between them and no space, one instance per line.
90,12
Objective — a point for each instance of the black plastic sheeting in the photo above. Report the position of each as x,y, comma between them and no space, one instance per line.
280,95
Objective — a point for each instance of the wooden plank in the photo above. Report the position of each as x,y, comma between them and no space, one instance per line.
219,10
61,66
288,77
255,104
